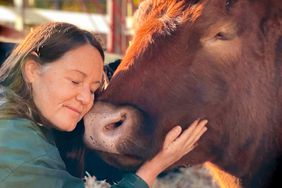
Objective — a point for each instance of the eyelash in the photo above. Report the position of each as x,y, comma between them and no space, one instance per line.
78,82
75,82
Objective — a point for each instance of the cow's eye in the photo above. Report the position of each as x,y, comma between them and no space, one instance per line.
220,36
224,36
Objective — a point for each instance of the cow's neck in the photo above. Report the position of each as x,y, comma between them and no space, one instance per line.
256,156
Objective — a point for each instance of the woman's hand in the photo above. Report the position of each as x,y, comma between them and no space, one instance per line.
174,148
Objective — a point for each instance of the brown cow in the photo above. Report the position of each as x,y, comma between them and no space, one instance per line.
214,59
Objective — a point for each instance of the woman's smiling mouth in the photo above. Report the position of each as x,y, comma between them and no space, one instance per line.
73,109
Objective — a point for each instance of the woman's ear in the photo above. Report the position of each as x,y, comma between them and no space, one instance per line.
31,68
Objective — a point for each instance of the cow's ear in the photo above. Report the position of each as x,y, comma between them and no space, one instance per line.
270,4
273,9
271,14
277,4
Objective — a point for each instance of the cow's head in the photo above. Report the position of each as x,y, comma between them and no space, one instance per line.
214,59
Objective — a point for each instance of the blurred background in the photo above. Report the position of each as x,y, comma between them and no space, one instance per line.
112,20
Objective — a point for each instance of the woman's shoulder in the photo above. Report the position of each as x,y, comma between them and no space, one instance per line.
26,131
23,136
22,128
15,120
22,124
23,141
17,123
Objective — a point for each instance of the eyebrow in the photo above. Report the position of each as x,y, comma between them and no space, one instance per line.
84,75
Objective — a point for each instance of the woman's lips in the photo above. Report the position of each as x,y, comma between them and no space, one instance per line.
73,109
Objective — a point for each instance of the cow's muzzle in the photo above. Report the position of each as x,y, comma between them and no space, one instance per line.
117,131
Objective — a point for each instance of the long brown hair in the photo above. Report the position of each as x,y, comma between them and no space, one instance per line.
48,42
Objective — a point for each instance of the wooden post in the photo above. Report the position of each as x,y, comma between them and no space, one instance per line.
116,40
19,7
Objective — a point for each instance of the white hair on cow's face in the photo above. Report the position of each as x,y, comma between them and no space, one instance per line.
168,14
170,24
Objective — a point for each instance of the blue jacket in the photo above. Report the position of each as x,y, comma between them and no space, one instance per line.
29,158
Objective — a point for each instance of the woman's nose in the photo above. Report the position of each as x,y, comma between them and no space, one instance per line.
85,96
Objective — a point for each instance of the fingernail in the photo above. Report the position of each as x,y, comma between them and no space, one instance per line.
179,127
176,127
197,120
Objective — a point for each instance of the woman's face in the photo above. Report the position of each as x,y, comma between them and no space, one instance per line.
63,90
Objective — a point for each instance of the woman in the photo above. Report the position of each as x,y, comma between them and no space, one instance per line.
49,82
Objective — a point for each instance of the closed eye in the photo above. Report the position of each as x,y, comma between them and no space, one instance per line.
75,82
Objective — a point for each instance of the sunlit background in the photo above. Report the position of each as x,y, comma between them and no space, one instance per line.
110,19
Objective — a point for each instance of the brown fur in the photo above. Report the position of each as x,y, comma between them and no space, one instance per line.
216,59
180,67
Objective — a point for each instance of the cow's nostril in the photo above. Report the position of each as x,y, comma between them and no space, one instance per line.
119,123
113,126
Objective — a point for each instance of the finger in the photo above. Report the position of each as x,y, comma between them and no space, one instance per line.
196,134
193,140
172,135
195,130
190,148
194,126
191,132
